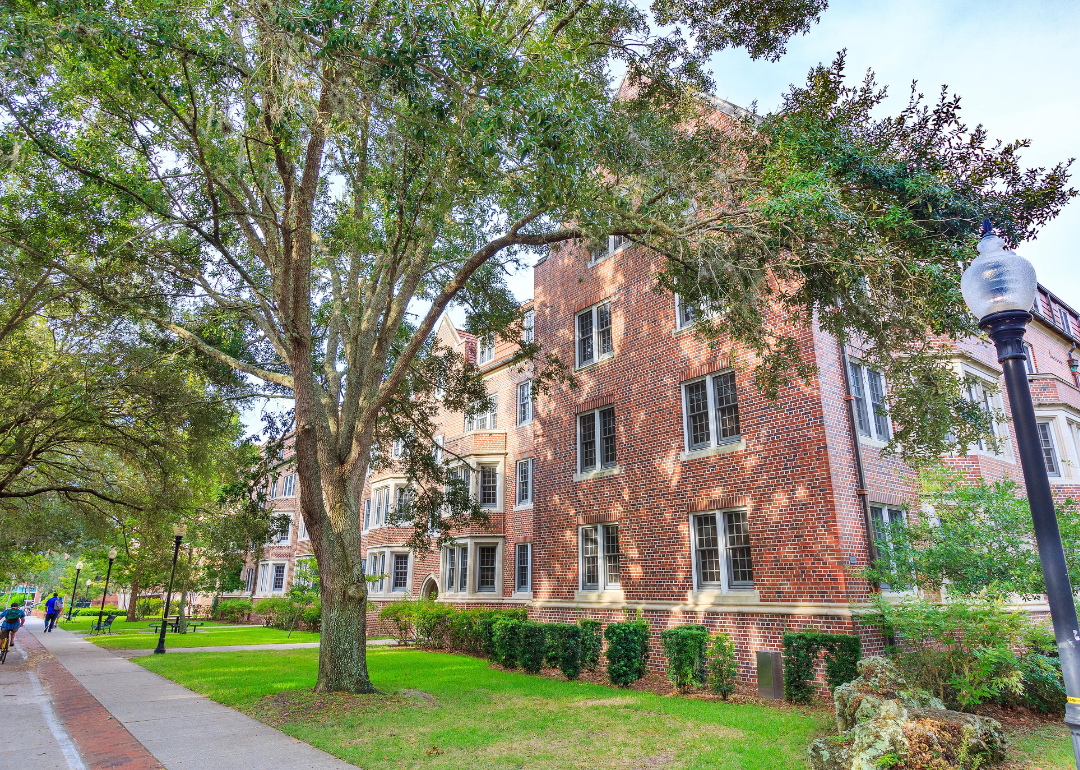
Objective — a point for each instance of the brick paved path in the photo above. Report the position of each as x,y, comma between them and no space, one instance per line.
122,717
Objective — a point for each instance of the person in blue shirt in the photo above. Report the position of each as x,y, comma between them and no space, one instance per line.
11,620
53,608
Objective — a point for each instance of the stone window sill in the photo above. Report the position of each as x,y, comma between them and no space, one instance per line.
731,446
610,596
595,362
589,475
732,596
523,507
872,442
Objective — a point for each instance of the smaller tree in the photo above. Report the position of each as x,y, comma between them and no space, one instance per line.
303,591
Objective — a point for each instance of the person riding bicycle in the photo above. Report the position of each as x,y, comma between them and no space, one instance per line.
11,620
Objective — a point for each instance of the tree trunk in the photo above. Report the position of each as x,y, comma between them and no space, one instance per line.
133,612
343,644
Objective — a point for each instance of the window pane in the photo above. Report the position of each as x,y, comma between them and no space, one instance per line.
697,414
1030,354
603,329
524,481
382,570
367,513
877,400
463,571
686,313
877,516
489,486
491,421
1046,439
611,555
524,392
585,337
587,445
727,406
451,563
279,577
529,323
523,580
740,570
590,557
860,399
708,549
401,571
485,568
607,435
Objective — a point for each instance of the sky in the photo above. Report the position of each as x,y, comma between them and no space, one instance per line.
1015,66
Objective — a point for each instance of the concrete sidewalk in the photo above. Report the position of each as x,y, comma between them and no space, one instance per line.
245,648
181,729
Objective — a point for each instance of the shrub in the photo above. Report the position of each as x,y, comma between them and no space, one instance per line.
274,611
506,640
312,616
570,652
627,651
842,654
685,648
431,623
466,632
1044,687
233,610
723,668
532,646
556,632
399,616
148,607
592,643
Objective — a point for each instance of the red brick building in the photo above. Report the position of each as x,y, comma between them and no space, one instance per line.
665,483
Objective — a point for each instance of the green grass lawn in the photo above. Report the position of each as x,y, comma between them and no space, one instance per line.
452,711
215,636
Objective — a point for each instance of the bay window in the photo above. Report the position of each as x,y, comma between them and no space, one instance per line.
1049,448
483,420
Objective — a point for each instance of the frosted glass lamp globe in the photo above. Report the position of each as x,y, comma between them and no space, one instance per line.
998,279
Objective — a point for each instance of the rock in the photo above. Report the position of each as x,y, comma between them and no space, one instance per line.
880,690
982,738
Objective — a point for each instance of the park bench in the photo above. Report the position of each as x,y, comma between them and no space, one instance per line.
104,626
174,624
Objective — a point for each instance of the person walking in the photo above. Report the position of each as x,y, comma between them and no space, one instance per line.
53,608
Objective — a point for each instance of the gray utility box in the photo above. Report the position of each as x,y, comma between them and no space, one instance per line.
770,674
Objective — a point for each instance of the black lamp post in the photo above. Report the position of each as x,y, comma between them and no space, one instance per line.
108,572
74,588
179,530
1000,288
86,596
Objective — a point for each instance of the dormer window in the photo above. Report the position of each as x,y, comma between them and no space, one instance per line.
485,350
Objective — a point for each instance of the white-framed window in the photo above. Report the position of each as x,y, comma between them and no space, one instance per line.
437,448
524,481
614,243
264,578
278,580
485,349
377,567
523,567
1029,354
281,538
524,403
883,518
303,534
598,552
593,334
382,506
488,489
456,570
686,314
487,568
367,513
711,411
249,580
978,392
403,498
722,556
273,489
399,577
529,323
871,409
397,448
1051,458
486,420
288,488
596,440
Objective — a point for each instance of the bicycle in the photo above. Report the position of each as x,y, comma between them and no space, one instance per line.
4,646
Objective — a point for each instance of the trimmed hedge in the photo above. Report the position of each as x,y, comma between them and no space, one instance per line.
532,646
842,654
723,668
592,643
506,641
627,651
685,648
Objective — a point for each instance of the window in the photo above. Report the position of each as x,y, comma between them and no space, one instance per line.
401,572
382,506
264,579
596,440
402,501
303,529
1029,353
524,481
273,490
714,548
463,568
599,557
524,402
377,568
868,388
485,567
288,488
282,538
1050,454
594,334
451,564
1063,315
485,350
711,406
613,244
530,321
483,420
489,486
249,580
684,313
397,448
883,519
523,567
367,513
978,393
437,450
279,578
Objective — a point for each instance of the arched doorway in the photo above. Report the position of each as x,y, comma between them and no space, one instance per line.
430,589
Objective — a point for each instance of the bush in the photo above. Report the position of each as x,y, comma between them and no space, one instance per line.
1044,687
556,632
275,611
592,643
723,668
570,652
466,633
532,646
842,654
628,651
685,648
312,616
148,607
399,615
233,610
431,624
506,641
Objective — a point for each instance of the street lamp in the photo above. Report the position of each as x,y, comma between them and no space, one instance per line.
74,588
108,572
999,287
86,596
179,530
